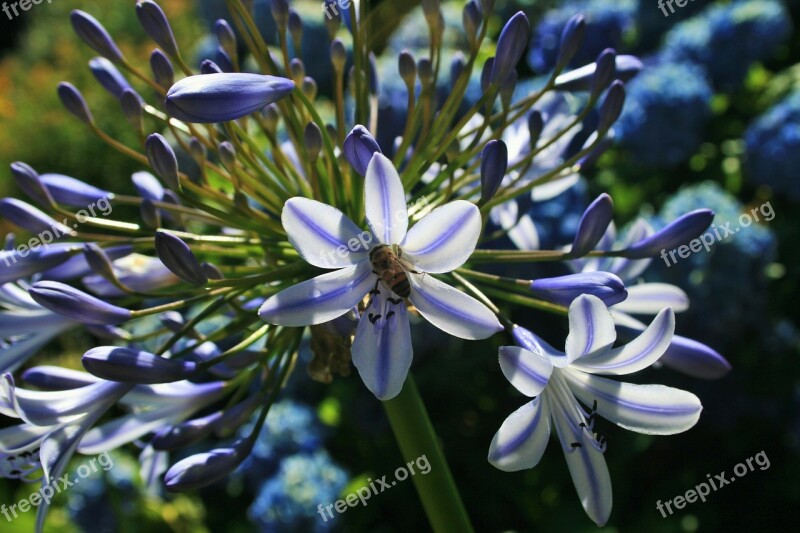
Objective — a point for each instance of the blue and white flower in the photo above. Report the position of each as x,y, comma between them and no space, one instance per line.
559,382
439,243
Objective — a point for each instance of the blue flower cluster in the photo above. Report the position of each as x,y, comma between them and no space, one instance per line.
773,147
665,113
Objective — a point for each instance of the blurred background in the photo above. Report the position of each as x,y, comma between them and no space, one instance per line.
712,121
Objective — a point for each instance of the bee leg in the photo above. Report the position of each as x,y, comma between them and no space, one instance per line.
373,318
389,315
395,301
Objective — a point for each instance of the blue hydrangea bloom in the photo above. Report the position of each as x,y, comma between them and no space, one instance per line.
665,113
726,39
289,500
291,427
607,23
773,147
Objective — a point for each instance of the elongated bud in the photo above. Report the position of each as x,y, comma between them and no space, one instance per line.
155,24
212,272
535,127
99,261
494,163
457,66
612,106
57,378
235,416
29,218
571,40
132,366
95,35
223,61
372,74
226,37
580,79
593,225
359,147
208,66
333,18
472,18
223,97
312,137
163,160
131,104
280,13
148,186
73,192
694,359
310,88
23,264
108,76
296,30
179,259
77,305
407,68
185,433
510,46
507,89
109,333
486,75
162,69
227,155
604,73
198,151
204,469
680,231
73,101
297,71
150,214
425,72
31,183
564,289
338,55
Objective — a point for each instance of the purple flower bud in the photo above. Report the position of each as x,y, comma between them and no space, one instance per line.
179,259
72,192
695,359
131,104
31,219
510,46
134,366
571,40
77,266
280,13
297,70
457,66
312,138
359,147
593,225
309,88
494,163
227,154
604,72
77,305
338,55
612,106
155,24
57,378
109,333
73,101
163,160
580,79
31,183
372,74
109,76
197,150
407,68
425,72
472,18
162,69
186,433
237,415
95,35
296,29
212,272
99,261
225,36
507,89
680,231
148,186
23,263
223,97
535,127
486,74
209,67
223,61
564,289
204,469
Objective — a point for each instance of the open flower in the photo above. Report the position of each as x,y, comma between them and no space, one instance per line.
440,242
558,381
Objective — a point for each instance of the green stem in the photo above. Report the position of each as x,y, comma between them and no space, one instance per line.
416,437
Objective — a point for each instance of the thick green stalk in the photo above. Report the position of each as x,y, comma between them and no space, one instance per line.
416,437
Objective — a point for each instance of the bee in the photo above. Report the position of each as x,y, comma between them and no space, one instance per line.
390,267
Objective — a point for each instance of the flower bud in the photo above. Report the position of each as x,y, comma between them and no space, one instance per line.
510,46
680,231
280,13
297,71
472,18
155,24
29,218
131,104
425,72
162,69
604,72
162,159
179,259
309,88
535,127
18,264
457,66
612,106
99,261
72,192
109,76
227,155
148,186
593,226
95,35
407,68
564,289
494,163
226,37
77,305
73,101
359,147
296,30
312,137
224,97
571,40
31,183
338,55
133,366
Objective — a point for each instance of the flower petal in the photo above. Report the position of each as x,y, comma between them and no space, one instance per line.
385,201
319,299
451,310
529,372
444,239
320,234
522,439
591,328
649,409
650,298
382,348
638,354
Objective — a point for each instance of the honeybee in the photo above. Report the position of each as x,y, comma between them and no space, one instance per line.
390,267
